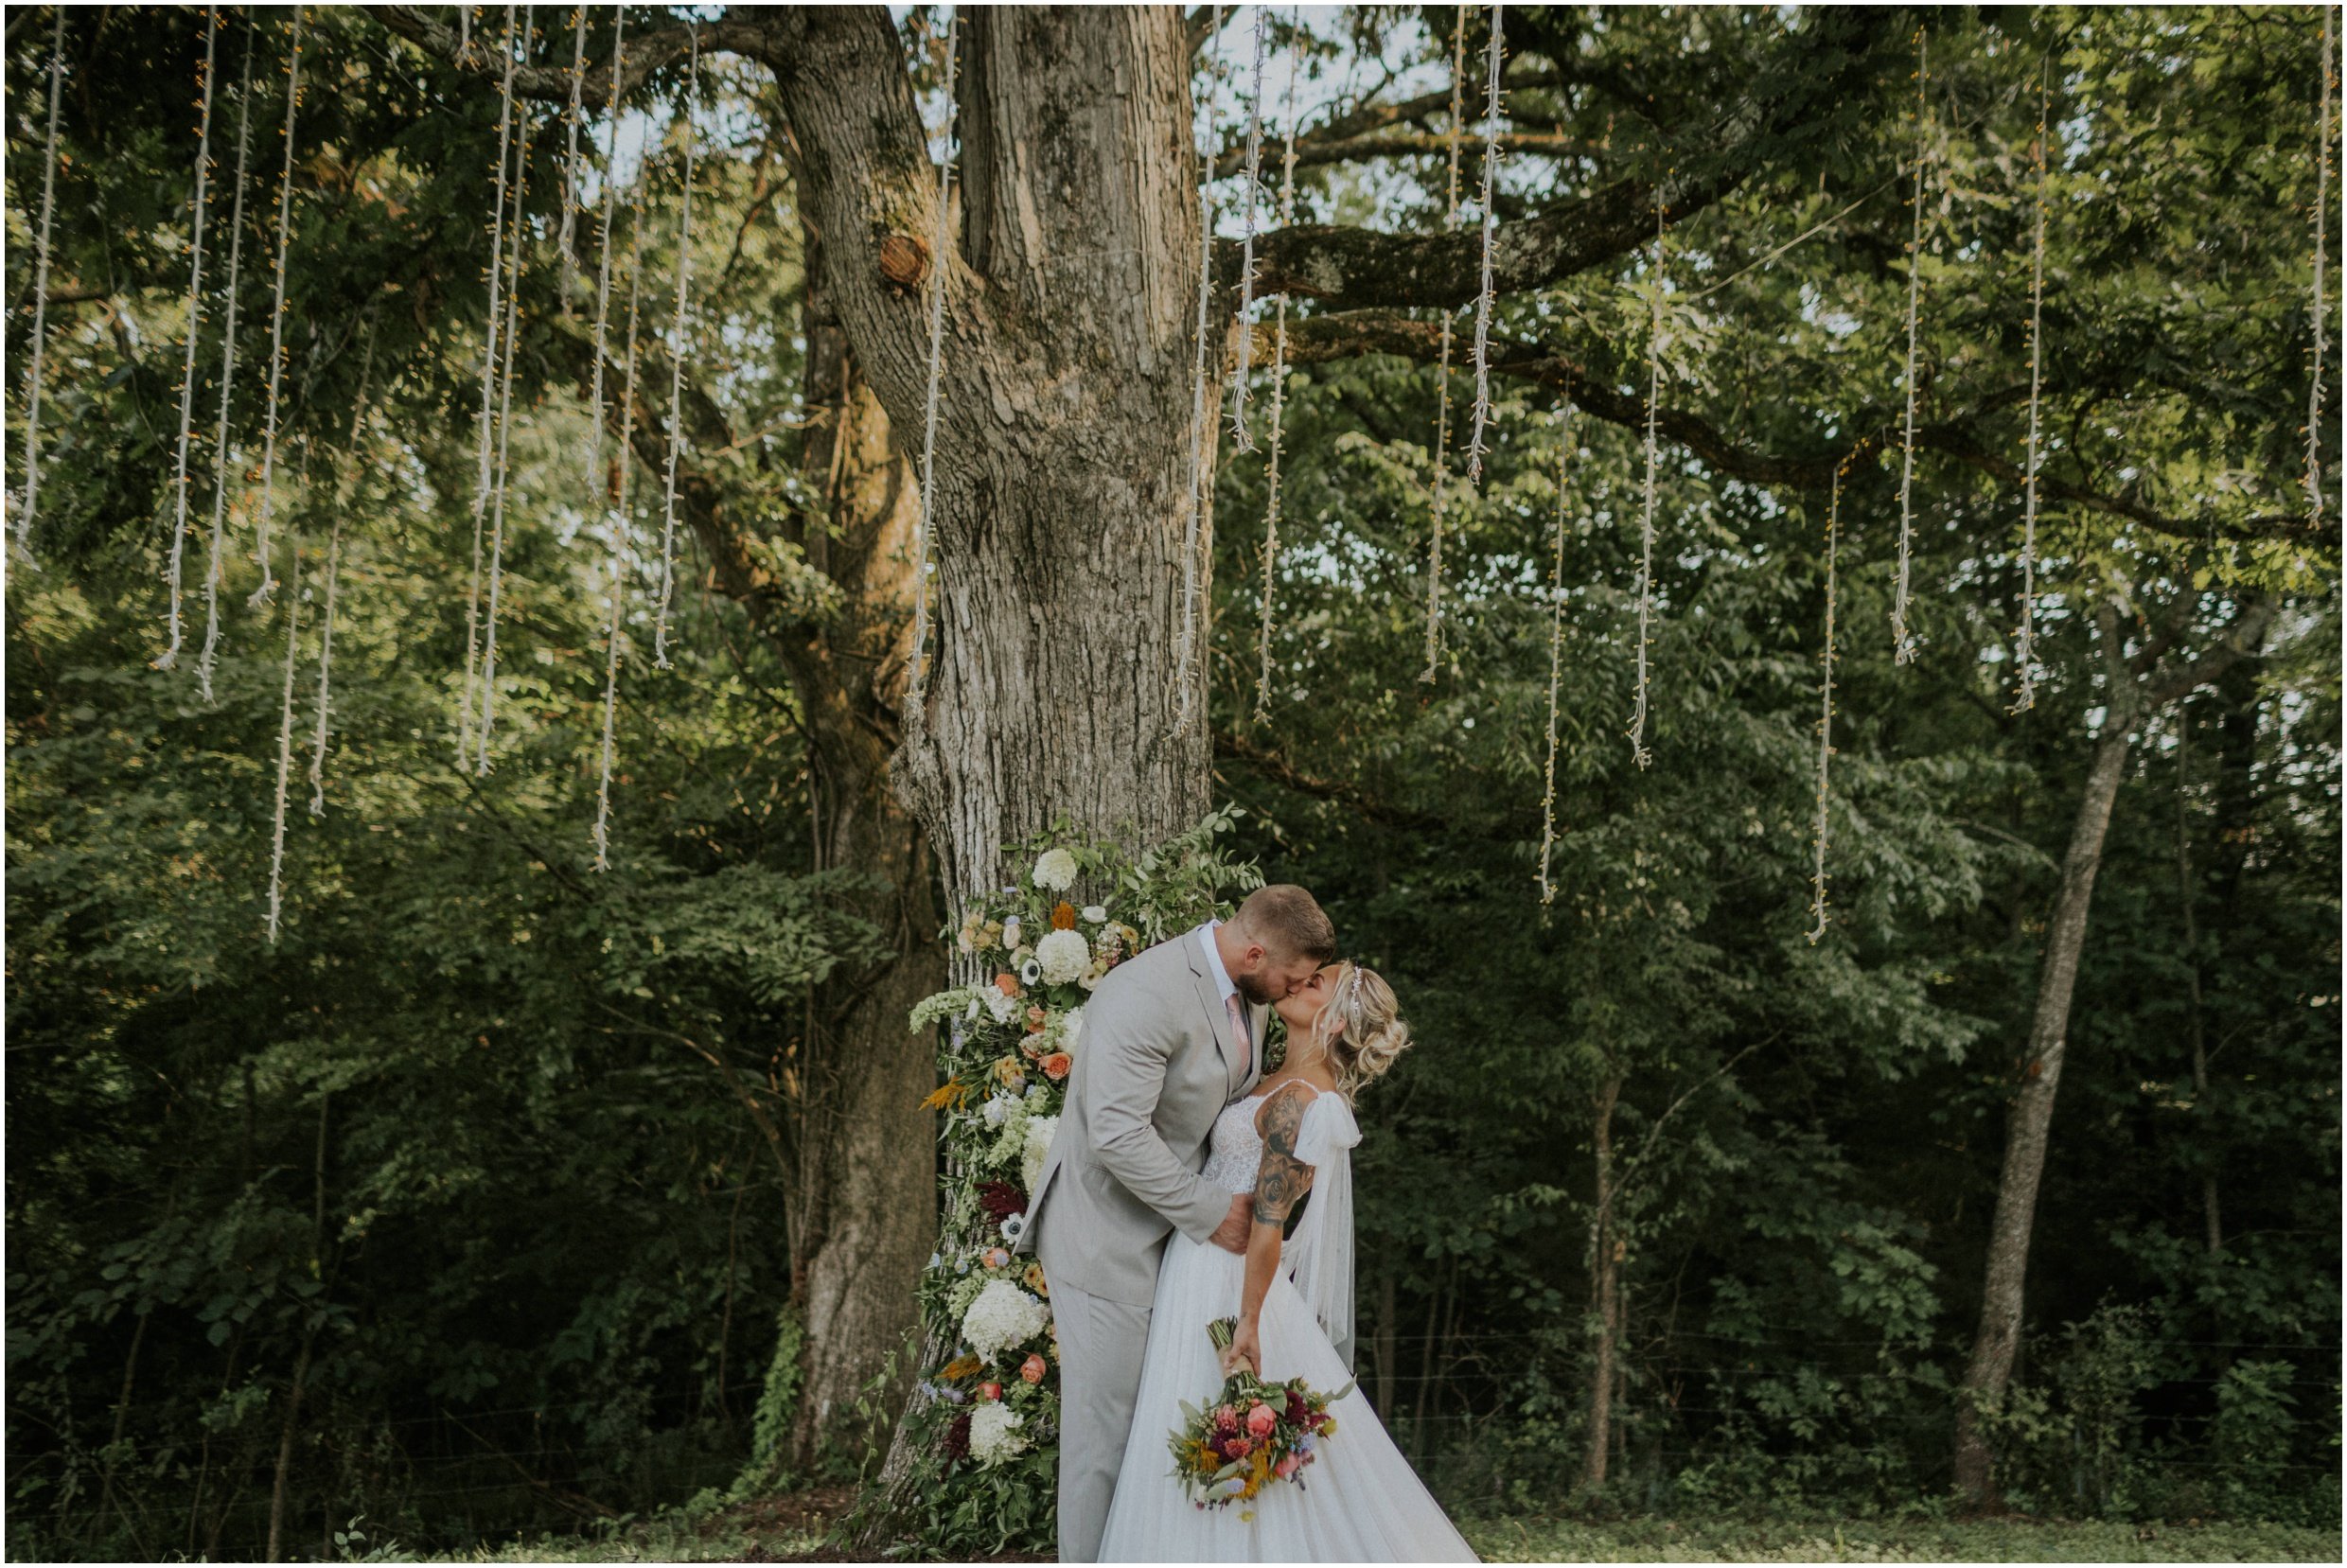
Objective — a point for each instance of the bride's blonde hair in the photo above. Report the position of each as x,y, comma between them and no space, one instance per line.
1374,1034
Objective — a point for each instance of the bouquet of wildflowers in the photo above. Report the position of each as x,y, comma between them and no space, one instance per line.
1254,1434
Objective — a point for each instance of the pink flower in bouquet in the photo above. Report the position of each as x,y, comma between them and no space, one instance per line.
1032,1369
1261,1419
1237,1448
1226,1418
1288,1466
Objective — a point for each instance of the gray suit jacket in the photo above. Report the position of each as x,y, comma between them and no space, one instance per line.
1154,1066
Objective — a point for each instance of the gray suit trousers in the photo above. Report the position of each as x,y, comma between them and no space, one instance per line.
1099,1380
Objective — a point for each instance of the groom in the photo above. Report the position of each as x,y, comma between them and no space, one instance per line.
1170,1036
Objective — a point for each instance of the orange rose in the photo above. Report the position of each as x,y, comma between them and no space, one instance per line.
1056,1065
1032,1369
1064,917
1007,983
1036,1018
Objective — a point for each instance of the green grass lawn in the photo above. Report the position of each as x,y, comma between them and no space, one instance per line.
1896,1540
791,1529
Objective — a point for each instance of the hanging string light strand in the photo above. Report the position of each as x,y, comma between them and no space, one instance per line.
614,519
1555,650
1902,637
675,357
277,320
484,445
1442,361
41,294
940,249
285,738
569,155
1476,448
2322,234
1638,751
1278,384
1201,409
505,427
622,530
169,656
1241,439
220,458
1825,718
2024,645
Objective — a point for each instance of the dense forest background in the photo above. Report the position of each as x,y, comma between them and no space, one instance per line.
462,1205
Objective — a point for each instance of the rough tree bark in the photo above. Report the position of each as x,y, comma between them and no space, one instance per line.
2137,687
1604,1292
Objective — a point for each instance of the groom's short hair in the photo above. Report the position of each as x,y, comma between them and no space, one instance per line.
1289,922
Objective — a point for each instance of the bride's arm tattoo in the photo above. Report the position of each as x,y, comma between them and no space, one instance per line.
1282,1180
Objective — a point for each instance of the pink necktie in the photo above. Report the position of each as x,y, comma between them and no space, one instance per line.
1239,1029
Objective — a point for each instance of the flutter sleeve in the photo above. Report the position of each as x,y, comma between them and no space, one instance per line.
1320,1259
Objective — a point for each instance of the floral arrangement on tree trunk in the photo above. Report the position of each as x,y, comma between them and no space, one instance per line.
986,1410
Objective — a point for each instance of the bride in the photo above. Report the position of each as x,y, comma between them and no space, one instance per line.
1359,1501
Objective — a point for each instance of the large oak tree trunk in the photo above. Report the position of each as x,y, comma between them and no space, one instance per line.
1064,443
2030,1120
1604,1291
863,1205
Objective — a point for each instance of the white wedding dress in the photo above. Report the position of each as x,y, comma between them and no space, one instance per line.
1359,1501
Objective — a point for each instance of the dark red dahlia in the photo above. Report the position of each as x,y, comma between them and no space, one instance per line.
1002,1200
958,1440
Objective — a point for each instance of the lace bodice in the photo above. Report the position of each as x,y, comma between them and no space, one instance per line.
1234,1149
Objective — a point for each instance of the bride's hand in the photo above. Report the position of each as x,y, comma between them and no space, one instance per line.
1246,1347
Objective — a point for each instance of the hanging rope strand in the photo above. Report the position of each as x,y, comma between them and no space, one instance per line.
2024,647
1201,409
2323,234
40,292
1476,448
622,530
1442,362
169,656
505,427
285,736
1555,650
675,357
1241,440
484,448
345,490
916,681
1278,384
570,153
220,459
1902,638
276,319
615,518
1638,751
1825,717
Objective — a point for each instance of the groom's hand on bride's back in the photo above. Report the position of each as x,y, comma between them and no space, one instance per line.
1231,1235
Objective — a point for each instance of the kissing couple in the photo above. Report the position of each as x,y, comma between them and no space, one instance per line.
1187,1185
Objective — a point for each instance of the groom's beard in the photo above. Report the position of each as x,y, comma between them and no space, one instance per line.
1254,990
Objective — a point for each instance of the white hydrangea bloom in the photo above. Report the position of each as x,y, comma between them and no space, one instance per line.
1072,1030
1056,870
996,1107
1039,1131
1001,1318
1000,1006
995,1434
1063,956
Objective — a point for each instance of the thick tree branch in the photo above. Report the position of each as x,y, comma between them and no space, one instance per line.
1338,791
1327,142
1352,268
643,53
1592,381
1311,150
